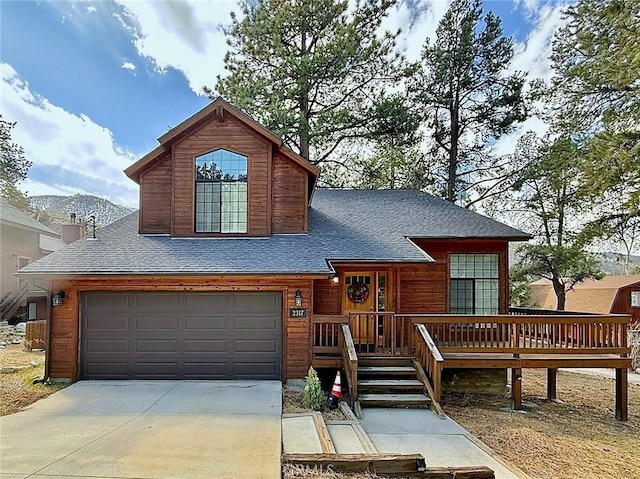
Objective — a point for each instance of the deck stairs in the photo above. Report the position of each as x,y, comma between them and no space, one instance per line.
390,382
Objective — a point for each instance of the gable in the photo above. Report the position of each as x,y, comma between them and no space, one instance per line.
278,182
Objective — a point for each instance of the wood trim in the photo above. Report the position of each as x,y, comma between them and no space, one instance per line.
137,168
173,193
269,193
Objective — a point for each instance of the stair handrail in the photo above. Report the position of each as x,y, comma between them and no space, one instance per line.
349,362
429,358
12,301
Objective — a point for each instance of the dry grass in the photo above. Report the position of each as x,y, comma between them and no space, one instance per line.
16,390
15,355
575,438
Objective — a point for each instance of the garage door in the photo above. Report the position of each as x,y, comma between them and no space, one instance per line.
134,335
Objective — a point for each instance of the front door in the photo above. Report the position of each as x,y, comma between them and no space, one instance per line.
364,292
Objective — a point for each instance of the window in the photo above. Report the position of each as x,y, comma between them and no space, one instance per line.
635,299
473,282
221,192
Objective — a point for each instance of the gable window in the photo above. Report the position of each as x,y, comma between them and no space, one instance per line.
221,192
473,284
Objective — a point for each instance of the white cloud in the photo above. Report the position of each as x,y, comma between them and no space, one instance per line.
533,55
128,66
418,20
70,153
182,35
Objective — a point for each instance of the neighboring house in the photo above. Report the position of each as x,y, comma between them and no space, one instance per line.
22,241
235,252
611,294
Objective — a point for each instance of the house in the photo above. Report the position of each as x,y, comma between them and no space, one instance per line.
22,241
617,294
238,266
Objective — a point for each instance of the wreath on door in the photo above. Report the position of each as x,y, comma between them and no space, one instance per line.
358,292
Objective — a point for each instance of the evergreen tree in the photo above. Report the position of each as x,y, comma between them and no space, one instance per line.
13,168
469,100
597,60
312,71
549,195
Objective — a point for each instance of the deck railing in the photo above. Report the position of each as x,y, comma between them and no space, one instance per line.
349,362
325,334
527,334
380,333
391,334
428,356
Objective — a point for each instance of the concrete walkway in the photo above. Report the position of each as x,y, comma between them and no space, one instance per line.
147,429
441,442
632,377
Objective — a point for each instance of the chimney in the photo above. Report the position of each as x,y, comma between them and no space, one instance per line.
73,231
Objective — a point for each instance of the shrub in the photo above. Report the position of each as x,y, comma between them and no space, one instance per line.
313,396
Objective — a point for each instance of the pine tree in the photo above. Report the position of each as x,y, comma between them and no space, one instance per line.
312,71
469,100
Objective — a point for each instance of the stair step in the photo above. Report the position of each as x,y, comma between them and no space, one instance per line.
391,400
391,370
403,384
384,361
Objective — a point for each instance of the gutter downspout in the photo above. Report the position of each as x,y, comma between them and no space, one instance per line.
47,351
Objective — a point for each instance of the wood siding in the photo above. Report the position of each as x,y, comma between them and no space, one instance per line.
326,297
155,198
289,197
435,297
416,287
423,288
65,319
233,135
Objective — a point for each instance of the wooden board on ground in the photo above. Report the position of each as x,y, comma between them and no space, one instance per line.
407,465
376,463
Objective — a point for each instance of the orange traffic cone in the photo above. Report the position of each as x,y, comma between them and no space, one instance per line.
336,393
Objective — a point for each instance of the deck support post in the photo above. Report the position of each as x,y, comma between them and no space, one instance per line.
621,395
516,388
552,378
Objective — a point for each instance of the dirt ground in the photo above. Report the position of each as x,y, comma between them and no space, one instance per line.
574,437
16,390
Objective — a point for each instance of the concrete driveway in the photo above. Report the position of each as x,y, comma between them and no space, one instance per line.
147,429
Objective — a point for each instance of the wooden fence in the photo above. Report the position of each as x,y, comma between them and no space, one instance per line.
35,335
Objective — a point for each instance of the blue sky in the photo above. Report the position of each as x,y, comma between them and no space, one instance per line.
92,84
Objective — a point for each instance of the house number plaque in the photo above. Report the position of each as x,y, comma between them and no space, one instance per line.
298,313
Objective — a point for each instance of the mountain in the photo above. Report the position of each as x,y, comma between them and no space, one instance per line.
614,263
56,209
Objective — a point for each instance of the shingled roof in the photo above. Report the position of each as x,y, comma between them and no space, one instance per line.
344,225
11,216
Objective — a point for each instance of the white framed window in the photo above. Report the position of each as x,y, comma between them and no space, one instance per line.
635,299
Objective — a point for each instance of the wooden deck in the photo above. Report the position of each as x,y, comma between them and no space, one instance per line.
513,342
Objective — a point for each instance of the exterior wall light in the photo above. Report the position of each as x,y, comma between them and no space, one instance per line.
298,298
336,279
57,298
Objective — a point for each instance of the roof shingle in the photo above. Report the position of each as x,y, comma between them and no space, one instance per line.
347,225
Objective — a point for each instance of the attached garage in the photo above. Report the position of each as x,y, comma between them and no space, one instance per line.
181,335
